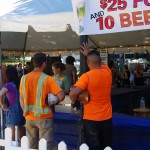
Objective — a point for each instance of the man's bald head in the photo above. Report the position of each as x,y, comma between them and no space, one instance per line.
93,57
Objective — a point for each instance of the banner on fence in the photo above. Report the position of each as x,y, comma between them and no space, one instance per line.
110,16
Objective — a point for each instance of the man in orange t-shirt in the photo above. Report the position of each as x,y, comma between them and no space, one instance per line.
34,89
98,111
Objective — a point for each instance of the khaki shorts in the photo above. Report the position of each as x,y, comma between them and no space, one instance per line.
37,129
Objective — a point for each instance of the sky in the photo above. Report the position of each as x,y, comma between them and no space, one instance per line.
32,7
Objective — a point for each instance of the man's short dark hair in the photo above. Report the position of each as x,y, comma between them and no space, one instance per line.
94,56
70,60
93,52
39,59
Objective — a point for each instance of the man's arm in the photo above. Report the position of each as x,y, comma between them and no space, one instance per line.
22,101
74,93
74,76
21,95
61,96
3,91
55,89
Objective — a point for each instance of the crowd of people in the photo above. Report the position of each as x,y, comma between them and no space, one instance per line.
129,78
28,102
24,96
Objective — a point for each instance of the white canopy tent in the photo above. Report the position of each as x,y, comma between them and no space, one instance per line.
70,40
50,25
32,25
47,15
16,16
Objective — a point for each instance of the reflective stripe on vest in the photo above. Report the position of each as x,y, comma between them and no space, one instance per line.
37,109
23,85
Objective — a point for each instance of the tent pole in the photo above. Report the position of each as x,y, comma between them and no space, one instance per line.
1,110
83,69
83,59
23,54
25,42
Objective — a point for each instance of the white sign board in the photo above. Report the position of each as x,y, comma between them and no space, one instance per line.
104,56
110,16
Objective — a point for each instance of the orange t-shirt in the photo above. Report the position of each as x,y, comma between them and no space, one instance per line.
50,86
98,83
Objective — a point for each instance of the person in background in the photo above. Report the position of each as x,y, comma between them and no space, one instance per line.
148,73
148,68
34,90
70,71
139,80
115,75
26,68
126,77
3,74
132,84
60,78
20,70
98,111
14,113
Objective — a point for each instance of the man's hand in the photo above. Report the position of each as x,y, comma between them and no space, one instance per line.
74,93
85,49
84,97
76,105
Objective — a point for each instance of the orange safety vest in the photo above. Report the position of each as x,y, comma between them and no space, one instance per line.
36,109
